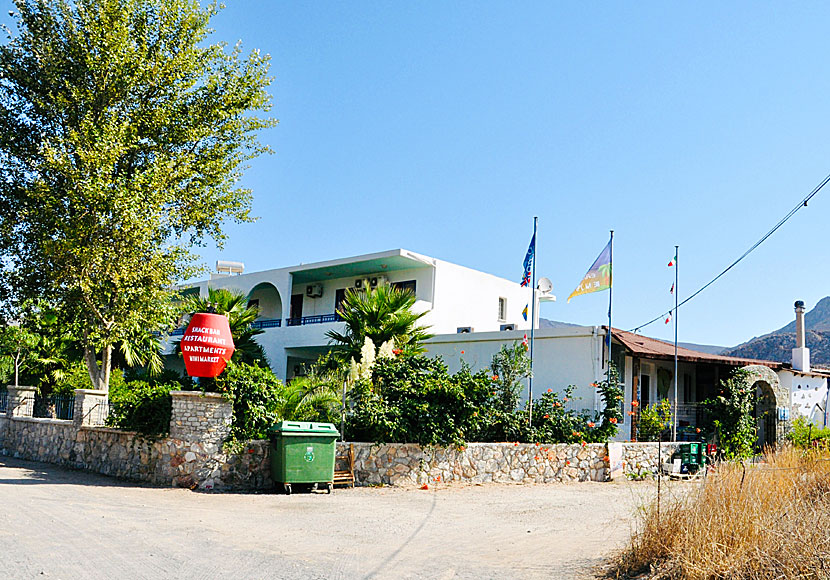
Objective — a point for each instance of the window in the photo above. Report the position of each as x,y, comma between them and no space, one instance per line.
253,303
406,285
502,308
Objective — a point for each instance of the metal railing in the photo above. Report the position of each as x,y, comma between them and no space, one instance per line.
97,414
4,401
692,413
54,407
316,319
267,323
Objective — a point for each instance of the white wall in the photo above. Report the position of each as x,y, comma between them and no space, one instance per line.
465,297
561,357
808,395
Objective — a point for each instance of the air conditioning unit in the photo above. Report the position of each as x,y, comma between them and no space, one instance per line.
464,330
361,283
510,326
314,290
379,280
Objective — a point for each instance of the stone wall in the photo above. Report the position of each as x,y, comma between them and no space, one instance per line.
204,417
196,459
642,457
409,464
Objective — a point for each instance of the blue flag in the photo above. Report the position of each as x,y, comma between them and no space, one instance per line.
529,260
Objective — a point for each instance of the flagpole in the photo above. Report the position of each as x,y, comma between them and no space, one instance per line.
532,325
610,295
676,292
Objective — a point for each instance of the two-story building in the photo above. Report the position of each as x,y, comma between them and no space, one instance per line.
298,304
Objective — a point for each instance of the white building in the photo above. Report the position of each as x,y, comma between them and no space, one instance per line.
473,314
298,304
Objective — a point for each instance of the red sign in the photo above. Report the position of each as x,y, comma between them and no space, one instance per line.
207,345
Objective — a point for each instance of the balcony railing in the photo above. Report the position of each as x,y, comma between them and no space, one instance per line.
316,319
267,323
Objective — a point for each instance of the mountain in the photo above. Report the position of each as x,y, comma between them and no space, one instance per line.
708,348
778,345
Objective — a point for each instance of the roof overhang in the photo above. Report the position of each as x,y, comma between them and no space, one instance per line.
379,263
651,348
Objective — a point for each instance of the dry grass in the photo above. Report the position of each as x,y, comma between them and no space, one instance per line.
764,521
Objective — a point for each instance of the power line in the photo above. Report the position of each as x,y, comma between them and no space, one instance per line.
791,213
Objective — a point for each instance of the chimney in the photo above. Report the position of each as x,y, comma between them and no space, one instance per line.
801,354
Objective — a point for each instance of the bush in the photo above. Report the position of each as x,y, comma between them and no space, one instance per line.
141,406
732,417
257,397
804,434
414,399
554,422
654,419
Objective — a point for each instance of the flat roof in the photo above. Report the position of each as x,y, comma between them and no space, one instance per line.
376,263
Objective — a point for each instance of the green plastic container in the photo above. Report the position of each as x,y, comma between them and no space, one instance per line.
303,452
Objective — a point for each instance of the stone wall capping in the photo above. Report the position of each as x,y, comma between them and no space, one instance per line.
92,392
44,420
21,388
218,397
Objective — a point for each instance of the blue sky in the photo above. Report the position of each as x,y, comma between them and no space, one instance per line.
445,127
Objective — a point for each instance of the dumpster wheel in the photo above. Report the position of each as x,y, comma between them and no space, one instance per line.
287,488
329,487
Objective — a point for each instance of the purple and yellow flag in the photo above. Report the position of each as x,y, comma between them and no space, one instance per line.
598,277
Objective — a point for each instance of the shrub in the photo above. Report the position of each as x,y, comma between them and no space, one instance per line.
556,422
653,420
414,399
732,417
804,434
256,395
140,406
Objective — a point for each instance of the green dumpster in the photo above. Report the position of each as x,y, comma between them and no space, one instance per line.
303,452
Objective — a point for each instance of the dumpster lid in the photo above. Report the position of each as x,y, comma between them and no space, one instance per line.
304,427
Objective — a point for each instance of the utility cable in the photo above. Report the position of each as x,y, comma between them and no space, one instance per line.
791,213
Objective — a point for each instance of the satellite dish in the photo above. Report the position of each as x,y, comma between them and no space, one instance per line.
545,285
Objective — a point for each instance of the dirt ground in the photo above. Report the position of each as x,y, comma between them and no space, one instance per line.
64,524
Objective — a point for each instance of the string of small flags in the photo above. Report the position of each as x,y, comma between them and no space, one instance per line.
672,263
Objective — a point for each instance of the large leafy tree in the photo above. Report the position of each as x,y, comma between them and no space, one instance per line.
123,134
383,314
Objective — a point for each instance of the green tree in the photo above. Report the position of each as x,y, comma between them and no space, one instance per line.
234,305
314,397
732,416
18,347
123,135
382,315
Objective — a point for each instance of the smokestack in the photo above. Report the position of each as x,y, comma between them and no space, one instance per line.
801,354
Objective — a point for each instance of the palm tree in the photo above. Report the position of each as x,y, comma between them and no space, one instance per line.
314,397
240,317
382,315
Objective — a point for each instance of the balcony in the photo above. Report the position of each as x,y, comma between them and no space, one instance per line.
267,323
316,319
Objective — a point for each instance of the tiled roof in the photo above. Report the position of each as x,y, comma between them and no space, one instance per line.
646,347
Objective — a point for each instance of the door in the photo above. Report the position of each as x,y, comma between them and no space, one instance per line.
296,306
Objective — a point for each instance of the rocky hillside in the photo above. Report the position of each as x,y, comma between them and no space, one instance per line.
778,344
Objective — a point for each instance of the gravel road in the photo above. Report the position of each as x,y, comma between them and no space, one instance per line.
64,524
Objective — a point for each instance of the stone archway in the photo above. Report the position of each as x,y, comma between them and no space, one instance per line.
770,397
